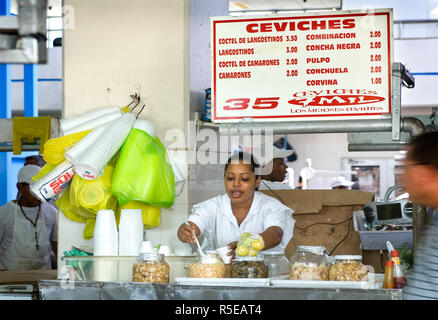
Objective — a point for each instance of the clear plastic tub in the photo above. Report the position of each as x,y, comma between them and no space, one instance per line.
151,267
310,263
209,266
348,268
249,267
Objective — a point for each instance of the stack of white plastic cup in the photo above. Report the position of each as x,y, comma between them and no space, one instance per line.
105,147
105,243
130,232
73,154
105,239
69,125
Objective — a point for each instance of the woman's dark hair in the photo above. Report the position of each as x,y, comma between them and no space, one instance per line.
423,149
246,158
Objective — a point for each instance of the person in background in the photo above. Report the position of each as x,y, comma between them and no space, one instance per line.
273,167
241,209
300,183
37,160
340,183
28,228
420,181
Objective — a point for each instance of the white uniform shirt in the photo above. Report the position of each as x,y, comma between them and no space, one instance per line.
215,217
273,185
7,219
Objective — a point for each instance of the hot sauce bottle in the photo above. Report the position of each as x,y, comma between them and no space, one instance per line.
399,277
388,281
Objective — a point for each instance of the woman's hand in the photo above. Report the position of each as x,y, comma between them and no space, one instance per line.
232,252
186,232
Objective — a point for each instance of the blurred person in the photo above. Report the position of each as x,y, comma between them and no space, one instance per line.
28,228
37,160
420,180
340,183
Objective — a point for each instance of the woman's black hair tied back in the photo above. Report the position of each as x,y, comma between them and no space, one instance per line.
246,158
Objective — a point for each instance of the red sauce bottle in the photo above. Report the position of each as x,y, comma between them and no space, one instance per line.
399,277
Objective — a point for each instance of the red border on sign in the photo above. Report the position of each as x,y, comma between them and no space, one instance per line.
387,14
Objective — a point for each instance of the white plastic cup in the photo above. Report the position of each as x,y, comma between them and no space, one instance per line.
54,182
91,124
105,147
146,246
74,153
164,250
223,254
130,232
105,239
70,123
145,126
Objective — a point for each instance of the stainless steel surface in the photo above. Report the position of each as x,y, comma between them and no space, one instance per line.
332,126
412,125
397,70
376,146
78,290
392,124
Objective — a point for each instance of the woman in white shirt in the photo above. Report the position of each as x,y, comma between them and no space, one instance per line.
241,209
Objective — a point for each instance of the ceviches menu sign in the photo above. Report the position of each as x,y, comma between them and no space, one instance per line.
326,66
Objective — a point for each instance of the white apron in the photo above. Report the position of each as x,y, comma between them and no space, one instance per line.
23,254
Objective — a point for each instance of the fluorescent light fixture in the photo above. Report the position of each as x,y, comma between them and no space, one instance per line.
434,12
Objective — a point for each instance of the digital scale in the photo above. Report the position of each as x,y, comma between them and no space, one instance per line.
396,212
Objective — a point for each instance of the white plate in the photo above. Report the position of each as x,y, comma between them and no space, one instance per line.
375,282
230,282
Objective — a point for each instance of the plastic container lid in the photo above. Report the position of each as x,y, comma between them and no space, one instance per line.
394,253
347,257
150,256
248,258
315,249
389,263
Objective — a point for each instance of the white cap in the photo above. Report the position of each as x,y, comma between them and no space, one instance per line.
341,181
264,154
27,173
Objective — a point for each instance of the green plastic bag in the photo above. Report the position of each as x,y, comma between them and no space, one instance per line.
143,172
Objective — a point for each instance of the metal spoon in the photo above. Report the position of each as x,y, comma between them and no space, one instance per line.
197,242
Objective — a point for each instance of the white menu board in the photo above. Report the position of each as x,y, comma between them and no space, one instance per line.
325,66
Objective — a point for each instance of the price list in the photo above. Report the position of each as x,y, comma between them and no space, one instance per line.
307,67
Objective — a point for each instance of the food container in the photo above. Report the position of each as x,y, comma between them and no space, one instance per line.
151,267
348,268
249,267
310,263
208,266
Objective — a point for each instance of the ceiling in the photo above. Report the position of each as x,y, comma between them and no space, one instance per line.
260,5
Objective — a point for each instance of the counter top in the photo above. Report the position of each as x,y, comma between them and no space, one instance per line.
26,276
95,290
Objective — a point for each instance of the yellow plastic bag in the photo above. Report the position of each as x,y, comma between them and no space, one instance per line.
44,170
151,214
54,149
29,128
85,198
